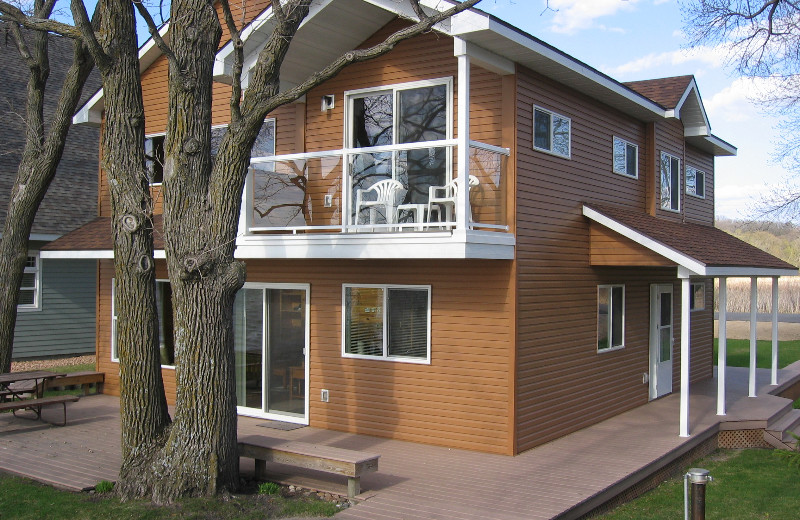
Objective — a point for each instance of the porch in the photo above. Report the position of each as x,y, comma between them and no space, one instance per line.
562,479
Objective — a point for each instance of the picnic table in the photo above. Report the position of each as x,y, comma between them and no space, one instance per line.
14,396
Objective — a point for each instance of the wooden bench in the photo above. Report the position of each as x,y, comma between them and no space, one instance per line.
85,379
340,461
36,405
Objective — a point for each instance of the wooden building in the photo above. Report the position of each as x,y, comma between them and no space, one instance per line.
474,241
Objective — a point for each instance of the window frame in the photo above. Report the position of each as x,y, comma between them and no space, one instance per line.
385,355
151,136
610,323
37,284
674,193
114,353
692,288
550,150
626,143
698,174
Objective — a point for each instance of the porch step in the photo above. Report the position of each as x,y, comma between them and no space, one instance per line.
778,433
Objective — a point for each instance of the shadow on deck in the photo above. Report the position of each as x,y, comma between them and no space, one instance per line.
607,463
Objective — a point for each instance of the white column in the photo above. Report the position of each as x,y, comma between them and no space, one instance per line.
753,333
774,378
722,354
685,354
463,141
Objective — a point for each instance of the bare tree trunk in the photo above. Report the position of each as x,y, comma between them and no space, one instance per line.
36,170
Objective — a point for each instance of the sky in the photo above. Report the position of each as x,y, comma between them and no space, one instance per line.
643,39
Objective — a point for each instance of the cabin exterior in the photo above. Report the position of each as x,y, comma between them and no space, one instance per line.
56,312
474,241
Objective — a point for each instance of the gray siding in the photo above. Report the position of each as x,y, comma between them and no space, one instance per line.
65,325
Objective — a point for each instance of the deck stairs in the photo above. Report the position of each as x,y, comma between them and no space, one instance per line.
779,429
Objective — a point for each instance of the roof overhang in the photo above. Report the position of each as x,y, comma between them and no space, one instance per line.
687,265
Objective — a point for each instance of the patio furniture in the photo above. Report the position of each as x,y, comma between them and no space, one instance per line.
328,459
84,379
418,212
446,197
16,397
386,194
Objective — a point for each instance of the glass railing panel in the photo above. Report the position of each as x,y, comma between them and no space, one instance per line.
297,195
488,197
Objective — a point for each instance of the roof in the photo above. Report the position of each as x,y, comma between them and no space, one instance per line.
703,250
667,92
95,240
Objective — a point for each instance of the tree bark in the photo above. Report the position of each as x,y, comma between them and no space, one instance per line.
36,170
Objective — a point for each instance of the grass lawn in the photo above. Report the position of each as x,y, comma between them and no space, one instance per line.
739,353
748,484
23,499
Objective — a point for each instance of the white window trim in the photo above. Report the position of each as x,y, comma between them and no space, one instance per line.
114,356
533,133
37,288
692,307
627,143
675,193
610,288
386,356
696,170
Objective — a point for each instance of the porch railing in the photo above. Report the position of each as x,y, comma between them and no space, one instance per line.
342,190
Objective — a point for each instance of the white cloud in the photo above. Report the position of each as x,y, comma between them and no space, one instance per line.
735,102
707,56
572,16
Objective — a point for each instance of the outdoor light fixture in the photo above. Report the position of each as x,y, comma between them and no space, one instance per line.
327,102
699,477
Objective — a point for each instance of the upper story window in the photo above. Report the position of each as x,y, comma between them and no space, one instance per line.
626,158
406,113
387,322
670,182
551,132
30,291
610,317
695,182
154,158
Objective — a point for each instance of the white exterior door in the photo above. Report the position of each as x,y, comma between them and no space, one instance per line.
661,340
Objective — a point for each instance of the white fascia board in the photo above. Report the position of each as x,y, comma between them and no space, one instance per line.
43,237
91,113
486,59
717,272
689,263
727,148
223,60
691,88
80,254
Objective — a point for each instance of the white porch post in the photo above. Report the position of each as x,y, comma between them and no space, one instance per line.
463,134
774,378
722,354
753,333
685,354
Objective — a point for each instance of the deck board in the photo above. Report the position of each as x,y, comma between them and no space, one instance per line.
417,481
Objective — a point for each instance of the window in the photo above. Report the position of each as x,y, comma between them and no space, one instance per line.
697,301
387,322
551,132
30,291
695,182
670,182
610,317
166,338
626,158
400,114
154,158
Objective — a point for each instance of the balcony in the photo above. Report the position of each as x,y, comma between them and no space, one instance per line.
394,201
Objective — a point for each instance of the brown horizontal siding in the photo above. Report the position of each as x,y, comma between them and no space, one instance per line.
611,248
697,209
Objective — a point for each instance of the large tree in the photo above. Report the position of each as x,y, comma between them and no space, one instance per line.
195,453
762,41
43,146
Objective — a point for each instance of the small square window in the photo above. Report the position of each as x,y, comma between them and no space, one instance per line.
697,301
610,317
695,182
551,132
626,158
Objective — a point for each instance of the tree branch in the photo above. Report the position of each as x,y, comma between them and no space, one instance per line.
153,30
238,60
10,13
87,31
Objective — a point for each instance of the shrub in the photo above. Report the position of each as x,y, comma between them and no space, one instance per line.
104,486
269,488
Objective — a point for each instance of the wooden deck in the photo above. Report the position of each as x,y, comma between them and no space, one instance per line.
562,479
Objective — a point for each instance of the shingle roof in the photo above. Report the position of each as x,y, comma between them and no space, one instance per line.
96,236
706,244
664,91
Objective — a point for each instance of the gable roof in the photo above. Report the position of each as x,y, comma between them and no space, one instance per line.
667,92
699,249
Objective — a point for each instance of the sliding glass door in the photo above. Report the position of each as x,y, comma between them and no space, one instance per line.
271,346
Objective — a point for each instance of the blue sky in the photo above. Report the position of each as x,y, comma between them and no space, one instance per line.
643,39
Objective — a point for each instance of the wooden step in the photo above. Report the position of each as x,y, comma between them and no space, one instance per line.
778,433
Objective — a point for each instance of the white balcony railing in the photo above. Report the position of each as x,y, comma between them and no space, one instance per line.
387,189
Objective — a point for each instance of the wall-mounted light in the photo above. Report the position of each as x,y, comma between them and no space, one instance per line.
327,102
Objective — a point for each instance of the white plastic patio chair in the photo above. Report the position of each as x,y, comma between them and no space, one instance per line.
386,195
446,197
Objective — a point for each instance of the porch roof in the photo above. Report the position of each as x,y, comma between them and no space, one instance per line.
95,240
698,250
